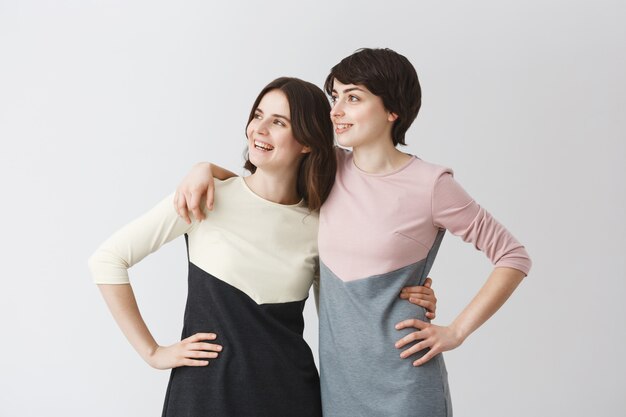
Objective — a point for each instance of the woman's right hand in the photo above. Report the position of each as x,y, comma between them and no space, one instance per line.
192,351
196,185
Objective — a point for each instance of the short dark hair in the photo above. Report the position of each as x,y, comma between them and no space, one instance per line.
388,75
311,126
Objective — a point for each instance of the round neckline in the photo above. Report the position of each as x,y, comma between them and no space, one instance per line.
247,188
384,174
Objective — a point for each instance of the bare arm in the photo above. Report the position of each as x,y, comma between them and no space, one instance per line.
188,352
493,294
498,288
109,266
198,185
455,210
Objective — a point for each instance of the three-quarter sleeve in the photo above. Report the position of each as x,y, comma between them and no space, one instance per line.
110,262
455,210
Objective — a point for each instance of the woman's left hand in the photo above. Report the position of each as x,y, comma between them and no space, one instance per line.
437,338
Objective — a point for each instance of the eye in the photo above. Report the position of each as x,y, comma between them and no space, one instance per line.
279,123
258,116
352,98
333,99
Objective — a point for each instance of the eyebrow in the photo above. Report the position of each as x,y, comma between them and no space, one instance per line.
347,90
275,115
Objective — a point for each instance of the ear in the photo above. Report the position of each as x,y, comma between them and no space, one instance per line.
392,117
306,149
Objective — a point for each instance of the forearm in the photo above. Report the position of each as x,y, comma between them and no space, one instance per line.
494,293
121,302
222,173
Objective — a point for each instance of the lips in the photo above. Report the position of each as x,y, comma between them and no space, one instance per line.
263,146
342,127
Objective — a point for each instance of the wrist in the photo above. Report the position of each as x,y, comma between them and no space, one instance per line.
458,332
150,353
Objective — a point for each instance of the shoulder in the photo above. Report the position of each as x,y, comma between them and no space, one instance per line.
228,186
428,173
225,183
431,168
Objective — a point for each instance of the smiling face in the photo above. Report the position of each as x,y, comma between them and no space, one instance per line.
359,117
271,145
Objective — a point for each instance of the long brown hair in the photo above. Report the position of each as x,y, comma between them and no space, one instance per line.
311,126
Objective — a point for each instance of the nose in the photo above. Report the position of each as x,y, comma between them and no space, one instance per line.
261,128
337,109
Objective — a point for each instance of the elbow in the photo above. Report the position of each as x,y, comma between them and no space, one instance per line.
517,259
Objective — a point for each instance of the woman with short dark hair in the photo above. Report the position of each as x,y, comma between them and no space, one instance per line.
380,230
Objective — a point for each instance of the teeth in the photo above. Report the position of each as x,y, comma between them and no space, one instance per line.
262,145
343,126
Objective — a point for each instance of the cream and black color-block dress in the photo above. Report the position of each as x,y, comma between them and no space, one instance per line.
251,265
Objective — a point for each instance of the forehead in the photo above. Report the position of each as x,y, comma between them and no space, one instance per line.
340,87
275,101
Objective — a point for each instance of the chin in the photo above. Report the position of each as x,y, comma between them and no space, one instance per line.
345,141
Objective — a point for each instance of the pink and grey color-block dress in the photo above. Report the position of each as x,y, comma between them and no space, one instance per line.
379,233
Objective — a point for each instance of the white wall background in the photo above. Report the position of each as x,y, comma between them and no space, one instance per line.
104,106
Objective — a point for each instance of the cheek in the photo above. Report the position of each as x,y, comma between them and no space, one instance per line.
372,116
368,113
289,142
358,113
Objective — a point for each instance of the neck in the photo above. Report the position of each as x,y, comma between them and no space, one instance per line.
379,157
275,187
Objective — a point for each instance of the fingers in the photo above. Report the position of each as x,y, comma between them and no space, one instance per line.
195,354
434,351
194,362
416,290
210,191
194,205
430,316
418,324
198,337
205,346
428,305
415,348
421,300
412,337
416,295
181,207
196,343
196,349
422,296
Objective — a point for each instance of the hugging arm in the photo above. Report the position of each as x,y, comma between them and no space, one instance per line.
198,185
423,296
